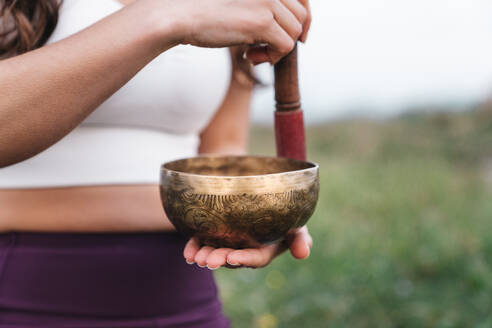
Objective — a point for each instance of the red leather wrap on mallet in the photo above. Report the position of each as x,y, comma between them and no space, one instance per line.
289,123
289,134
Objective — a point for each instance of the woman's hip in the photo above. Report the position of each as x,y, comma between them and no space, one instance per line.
102,275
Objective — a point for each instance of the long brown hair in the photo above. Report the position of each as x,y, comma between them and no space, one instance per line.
26,24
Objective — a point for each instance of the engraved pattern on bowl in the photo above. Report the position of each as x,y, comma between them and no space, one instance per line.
238,201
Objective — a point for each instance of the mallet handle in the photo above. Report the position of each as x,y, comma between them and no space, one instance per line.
289,124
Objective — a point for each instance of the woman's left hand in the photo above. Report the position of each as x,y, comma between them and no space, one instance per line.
299,242
259,54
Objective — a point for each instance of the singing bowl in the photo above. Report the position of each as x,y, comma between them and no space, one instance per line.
238,201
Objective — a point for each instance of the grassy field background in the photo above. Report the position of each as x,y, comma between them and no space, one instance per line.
402,232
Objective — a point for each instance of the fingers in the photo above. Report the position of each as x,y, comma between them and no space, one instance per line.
213,258
287,19
290,16
280,32
257,55
190,250
300,243
202,255
205,256
253,257
218,258
307,23
298,9
280,43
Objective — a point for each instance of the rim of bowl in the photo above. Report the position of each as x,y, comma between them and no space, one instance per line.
315,166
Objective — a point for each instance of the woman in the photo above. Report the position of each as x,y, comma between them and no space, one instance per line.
89,109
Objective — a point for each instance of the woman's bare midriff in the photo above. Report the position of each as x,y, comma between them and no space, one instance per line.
121,208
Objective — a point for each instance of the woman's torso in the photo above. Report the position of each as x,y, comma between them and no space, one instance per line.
116,153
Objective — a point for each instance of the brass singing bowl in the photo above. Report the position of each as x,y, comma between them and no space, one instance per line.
238,201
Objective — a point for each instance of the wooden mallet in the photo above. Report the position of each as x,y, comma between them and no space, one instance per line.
289,123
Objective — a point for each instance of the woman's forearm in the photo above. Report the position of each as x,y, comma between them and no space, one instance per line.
47,92
228,131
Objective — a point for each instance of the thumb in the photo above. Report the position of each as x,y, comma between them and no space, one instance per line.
258,55
301,244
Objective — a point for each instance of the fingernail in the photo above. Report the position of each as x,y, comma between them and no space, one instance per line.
233,264
304,38
201,266
190,262
210,268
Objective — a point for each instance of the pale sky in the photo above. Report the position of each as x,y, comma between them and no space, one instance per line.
383,56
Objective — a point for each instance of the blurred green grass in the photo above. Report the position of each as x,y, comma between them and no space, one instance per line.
402,232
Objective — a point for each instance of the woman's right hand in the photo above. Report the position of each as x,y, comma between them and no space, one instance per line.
276,24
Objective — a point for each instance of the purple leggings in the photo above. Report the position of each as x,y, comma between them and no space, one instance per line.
104,281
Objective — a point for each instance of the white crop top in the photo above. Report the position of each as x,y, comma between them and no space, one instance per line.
156,117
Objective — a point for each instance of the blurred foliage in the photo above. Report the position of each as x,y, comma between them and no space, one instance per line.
402,231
